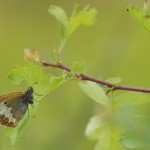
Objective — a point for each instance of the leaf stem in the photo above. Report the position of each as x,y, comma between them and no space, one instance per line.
62,43
88,78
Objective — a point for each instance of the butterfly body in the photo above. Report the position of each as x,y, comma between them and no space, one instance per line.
14,106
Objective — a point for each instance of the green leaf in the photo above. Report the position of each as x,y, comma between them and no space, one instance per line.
104,142
15,133
84,17
140,17
129,140
17,75
62,18
55,82
114,80
78,67
101,128
54,56
96,126
108,139
131,99
95,92
39,80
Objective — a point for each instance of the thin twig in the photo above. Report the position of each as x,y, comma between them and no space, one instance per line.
88,78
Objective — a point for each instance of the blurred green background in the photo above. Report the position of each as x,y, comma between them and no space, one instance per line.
115,46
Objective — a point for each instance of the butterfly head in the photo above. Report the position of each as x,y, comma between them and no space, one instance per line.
30,90
28,95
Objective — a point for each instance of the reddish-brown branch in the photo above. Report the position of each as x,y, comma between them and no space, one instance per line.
59,65
88,78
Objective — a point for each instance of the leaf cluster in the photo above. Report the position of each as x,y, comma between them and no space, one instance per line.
35,75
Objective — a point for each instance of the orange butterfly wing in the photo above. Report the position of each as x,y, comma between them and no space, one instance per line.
6,117
10,95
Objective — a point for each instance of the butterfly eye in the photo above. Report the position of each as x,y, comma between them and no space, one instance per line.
5,102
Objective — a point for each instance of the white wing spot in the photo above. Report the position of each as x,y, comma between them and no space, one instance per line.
4,110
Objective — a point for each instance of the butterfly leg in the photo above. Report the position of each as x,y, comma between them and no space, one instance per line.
38,94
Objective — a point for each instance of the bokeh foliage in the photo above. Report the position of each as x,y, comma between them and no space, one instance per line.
116,50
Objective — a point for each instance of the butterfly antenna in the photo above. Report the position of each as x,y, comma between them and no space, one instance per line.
34,83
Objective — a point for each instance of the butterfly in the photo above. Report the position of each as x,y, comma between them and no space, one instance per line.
14,106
